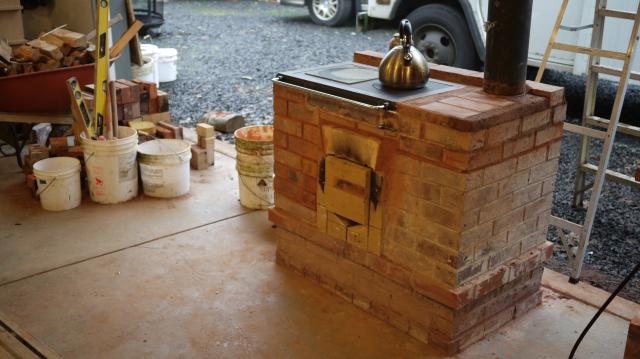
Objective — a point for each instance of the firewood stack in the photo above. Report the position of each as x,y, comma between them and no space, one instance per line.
55,49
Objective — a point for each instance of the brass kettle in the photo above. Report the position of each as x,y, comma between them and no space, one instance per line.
404,67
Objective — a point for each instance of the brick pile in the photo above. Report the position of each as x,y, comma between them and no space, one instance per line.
454,245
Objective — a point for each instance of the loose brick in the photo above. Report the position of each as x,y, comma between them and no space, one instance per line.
503,132
536,120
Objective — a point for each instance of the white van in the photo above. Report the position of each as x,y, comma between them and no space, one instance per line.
451,32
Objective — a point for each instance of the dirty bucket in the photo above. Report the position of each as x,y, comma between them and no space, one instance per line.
167,64
164,167
58,181
151,51
254,162
146,71
112,171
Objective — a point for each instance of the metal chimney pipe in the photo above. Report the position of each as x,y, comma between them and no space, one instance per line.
505,67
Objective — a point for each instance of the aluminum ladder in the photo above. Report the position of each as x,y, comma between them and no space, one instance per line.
576,239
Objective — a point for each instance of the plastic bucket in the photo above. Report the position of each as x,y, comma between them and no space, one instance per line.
167,64
164,167
254,162
58,181
112,171
144,72
151,51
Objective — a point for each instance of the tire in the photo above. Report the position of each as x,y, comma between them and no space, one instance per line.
440,32
331,12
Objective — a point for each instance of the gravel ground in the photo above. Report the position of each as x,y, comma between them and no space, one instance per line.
230,50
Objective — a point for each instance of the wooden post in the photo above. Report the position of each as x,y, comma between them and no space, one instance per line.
632,350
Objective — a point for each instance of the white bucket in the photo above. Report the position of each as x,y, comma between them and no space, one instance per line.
254,162
144,72
151,51
167,64
164,167
112,171
58,181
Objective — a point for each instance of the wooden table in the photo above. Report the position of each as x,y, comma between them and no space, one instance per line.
15,127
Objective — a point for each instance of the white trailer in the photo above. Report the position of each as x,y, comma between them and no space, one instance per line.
451,32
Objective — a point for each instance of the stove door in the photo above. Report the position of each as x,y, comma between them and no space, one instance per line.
347,189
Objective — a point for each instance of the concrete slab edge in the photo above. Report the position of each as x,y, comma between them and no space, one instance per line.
588,294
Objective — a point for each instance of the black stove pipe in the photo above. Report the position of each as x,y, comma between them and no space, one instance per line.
505,67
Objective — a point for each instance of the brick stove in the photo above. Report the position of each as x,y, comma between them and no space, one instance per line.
432,216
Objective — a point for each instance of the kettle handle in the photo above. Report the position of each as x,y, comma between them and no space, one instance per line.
406,36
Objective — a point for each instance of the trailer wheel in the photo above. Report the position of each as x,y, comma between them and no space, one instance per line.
440,32
331,12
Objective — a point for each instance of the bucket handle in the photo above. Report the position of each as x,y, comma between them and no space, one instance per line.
252,192
174,153
39,192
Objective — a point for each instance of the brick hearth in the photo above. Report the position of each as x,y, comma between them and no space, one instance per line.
436,224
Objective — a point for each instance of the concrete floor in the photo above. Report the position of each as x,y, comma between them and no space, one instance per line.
195,277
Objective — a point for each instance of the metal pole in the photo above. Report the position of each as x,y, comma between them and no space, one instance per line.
507,27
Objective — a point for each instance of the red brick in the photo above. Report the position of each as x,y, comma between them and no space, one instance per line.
280,106
536,120
527,194
288,158
280,139
288,125
503,132
310,168
312,134
548,134
532,158
303,148
543,170
486,157
499,171
559,113
517,146
539,205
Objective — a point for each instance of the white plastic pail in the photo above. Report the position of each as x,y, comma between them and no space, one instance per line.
164,167
254,148
112,171
146,71
58,181
167,64
151,51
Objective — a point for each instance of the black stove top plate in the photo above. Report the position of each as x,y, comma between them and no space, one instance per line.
359,82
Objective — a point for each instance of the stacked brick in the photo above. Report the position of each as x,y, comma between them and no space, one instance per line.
203,153
465,203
